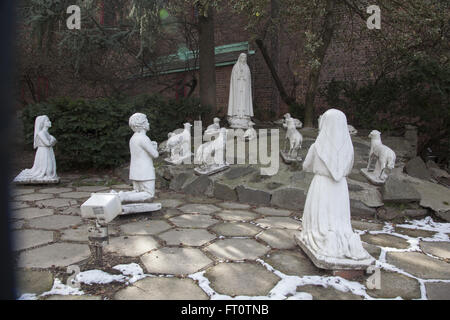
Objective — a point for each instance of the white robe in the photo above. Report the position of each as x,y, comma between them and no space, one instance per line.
240,103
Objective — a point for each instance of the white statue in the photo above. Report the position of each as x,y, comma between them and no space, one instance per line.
287,116
212,130
211,155
327,236
179,146
352,130
295,142
240,104
381,159
44,167
250,133
142,171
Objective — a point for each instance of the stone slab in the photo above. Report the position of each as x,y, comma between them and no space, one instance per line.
199,208
234,205
31,213
395,285
236,229
253,196
75,195
437,249
328,293
31,281
385,240
241,279
145,227
187,237
34,197
293,263
397,190
57,254
171,203
279,222
55,203
131,246
55,190
237,249
278,238
268,211
162,289
224,192
366,225
79,234
438,290
177,261
73,297
54,222
237,215
289,198
25,239
193,221
419,265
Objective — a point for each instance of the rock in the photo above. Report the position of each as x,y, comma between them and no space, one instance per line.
359,209
123,172
444,215
238,172
385,240
415,233
438,290
37,282
289,198
200,186
389,213
417,168
395,285
419,265
366,226
373,250
249,195
397,190
437,249
181,179
224,192
237,279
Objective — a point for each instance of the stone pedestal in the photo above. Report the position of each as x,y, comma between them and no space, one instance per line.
36,181
178,160
239,123
329,263
372,177
212,169
288,159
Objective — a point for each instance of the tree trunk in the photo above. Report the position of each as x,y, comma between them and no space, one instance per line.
313,83
275,54
207,73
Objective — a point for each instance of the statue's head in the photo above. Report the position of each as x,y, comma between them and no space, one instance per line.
374,134
216,120
187,126
287,116
242,58
138,121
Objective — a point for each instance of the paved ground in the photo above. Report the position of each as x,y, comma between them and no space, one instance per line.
202,248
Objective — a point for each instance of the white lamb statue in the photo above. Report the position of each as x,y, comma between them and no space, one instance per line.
211,155
384,156
295,142
179,146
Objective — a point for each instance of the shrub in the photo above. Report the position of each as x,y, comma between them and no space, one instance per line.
95,133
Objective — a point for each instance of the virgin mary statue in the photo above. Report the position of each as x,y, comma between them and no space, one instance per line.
44,167
327,236
240,103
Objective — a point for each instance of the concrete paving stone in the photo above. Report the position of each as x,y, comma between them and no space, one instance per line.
75,195
24,239
55,203
16,225
278,238
419,265
254,196
79,234
131,246
438,290
54,222
162,289
241,279
55,190
57,254
329,293
18,205
279,222
187,237
268,211
73,297
145,227
415,233
367,226
385,240
177,261
171,203
292,262
92,189
237,215
236,229
396,285
199,208
373,250
234,205
193,221
202,200
169,213
31,281
121,186
224,192
237,249
34,197
72,211
437,249
20,191
31,213
289,198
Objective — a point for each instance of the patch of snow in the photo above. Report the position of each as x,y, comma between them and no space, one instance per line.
61,289
98,277
28,296
133,269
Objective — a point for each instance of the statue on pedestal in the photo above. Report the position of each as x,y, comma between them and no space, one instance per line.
212,130
179,146
327,236
381,160
295,142
211,155
240,104
44,167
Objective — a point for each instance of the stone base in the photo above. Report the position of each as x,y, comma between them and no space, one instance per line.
140,208
239,123
211,169
329,263
177,161
350,275
288,160
372,177
36,181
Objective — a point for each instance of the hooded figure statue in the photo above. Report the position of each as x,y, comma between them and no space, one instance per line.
327,230
240,103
